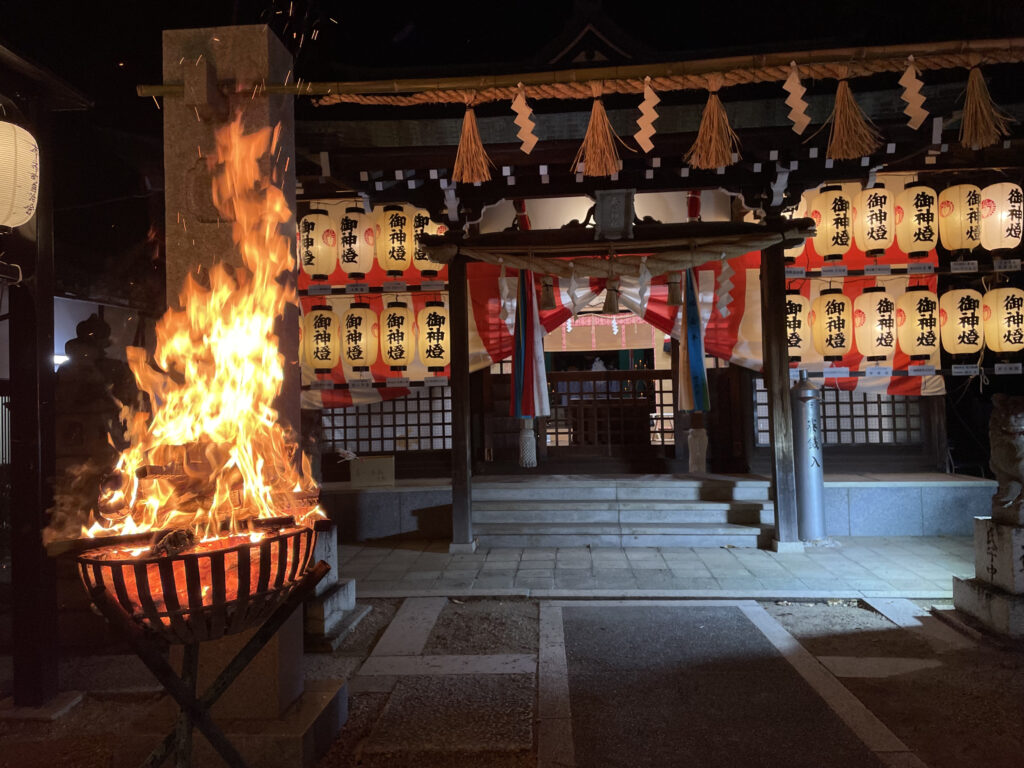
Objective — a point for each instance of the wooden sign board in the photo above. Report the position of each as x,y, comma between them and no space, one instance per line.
373,472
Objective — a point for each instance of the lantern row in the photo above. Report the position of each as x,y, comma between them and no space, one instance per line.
357,337
387,235
961,217
875,323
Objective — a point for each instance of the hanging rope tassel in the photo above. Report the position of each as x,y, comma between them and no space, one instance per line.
598,151
675,291
611,297
852,135
471,160
527,444
984,123
716,141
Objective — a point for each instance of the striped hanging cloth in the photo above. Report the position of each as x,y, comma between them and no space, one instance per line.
693,376
529,375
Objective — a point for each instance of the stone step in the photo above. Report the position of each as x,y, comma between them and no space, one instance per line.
568,490
632,512
632,535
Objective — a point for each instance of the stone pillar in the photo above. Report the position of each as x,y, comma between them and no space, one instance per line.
332,612
995,596
271,714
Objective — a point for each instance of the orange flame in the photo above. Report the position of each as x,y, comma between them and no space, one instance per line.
212,453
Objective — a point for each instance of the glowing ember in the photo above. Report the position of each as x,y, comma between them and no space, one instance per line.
212,454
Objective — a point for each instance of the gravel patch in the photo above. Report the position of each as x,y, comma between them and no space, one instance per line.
485,626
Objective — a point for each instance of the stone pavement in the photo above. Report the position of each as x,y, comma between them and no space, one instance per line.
897,567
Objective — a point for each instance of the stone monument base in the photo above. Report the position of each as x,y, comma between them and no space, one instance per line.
998,610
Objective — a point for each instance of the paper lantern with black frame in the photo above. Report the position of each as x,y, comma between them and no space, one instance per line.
433,345
917,322
19,176
422,224
359,336
396,239
874,324
874,221
960,322
798,325
1002,313
832,324
321,339
917,225
357,242
318,244
831,211
397,340
1002,209
960,218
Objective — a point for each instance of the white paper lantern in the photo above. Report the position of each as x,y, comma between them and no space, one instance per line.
832,324
917,322
423,225
960,217
396,240
960,321
917,225
397,340
318,245
798,325
321,339
832,213
874,221
359,336
356,244
1002,208
19,175
1002,313
874,323
434,346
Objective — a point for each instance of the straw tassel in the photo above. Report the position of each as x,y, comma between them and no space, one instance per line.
984,123
471,160
852,135
716,141
598,151
611,298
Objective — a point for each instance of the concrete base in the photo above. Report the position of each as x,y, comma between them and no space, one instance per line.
787,547
324,612
1000,611
330,641
462,549
299,738
56,708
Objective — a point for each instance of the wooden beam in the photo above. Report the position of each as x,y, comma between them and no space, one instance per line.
33,573
776,379
462,455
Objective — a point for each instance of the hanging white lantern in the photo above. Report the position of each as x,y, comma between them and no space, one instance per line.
1002,206
874,221
960,321
19,175
917,214
423,225
960,217
1002,313
359,336
397,342
321,339
917,321
318,244
356,247
874,323
396,238
434,337
832,324
831,211
798,325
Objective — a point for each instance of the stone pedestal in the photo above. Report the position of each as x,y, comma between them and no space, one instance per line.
995,596
332,612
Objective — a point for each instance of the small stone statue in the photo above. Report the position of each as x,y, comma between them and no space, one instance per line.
1006,442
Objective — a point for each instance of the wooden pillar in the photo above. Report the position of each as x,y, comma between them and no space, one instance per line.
462,458
776,379
33,573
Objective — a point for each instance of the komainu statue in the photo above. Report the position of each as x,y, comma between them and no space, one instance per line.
1006,443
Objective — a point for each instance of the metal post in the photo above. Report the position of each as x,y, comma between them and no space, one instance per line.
810,476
